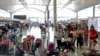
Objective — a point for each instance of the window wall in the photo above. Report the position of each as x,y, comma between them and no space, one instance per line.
4,13
86,13
64,14
97,10
32,14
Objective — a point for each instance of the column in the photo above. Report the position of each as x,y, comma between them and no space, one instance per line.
48,25
11,15
76,17
47,29
55,10
76,54
44,38
93,11
55,15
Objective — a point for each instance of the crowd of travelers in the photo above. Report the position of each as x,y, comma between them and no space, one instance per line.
68,38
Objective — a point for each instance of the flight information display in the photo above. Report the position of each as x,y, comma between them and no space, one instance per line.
22,17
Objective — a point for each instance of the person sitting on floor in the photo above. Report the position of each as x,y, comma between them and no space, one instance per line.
94,46
39,48
93,50
51,50
19,52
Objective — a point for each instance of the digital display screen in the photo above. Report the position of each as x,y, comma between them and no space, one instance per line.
23,17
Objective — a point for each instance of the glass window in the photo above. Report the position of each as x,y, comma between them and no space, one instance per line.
97,10
32,14
86,13
4,13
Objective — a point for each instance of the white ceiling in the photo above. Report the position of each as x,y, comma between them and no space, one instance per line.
8,5
13,5
82,4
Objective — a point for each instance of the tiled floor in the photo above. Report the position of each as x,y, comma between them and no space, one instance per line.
13,55
76,53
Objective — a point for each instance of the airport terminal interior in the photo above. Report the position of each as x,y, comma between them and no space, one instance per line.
49,27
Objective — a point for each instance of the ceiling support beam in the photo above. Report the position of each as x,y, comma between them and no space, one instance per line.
29,8
47,5
69,2
24,3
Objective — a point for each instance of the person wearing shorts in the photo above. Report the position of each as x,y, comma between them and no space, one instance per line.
85,35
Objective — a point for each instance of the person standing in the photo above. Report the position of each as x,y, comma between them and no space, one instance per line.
80,37
5,44
85,35
93,34
59,36
75,35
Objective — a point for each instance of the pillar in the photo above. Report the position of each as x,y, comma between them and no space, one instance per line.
55,16
11,15
76,17
93,11
55,10
76,21
47,28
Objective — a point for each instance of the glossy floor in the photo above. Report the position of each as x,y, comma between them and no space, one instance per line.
37,33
